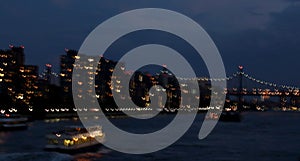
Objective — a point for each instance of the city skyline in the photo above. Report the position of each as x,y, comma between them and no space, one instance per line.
149,80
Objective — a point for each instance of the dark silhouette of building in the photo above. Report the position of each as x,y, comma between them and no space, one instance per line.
17,80
27,85
48,94
66,68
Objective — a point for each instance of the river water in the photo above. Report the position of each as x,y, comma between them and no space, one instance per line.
261,136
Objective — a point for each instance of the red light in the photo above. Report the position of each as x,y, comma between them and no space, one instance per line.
66,49
241,67
22,46
48,65
7,115
11,46
164,65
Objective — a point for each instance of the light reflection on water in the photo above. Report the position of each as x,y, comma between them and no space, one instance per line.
3,137
260,136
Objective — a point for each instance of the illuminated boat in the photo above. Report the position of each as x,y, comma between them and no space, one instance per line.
212,116
13,122
225,116
75,138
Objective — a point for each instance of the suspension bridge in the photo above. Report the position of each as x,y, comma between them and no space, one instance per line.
248,89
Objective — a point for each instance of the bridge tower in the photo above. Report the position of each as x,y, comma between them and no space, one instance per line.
240,91
283,102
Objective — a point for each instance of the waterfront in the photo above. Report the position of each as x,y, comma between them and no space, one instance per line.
260,136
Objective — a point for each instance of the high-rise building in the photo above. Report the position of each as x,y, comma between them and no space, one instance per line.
17,81
66,69
48,76
98,72
18,53
8,73
28,84
48,95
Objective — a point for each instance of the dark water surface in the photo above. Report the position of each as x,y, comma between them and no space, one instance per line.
265,136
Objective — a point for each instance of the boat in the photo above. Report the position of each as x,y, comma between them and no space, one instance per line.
230,116
13,122
75,139
212,116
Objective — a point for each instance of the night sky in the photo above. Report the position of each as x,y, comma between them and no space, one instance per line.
263,36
